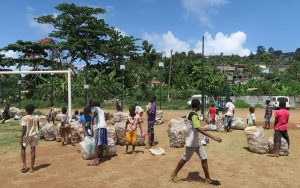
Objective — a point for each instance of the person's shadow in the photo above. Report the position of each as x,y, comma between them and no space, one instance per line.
41,166
194,176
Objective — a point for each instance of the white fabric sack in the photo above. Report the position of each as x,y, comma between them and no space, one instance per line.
256,140
284,147
210,127
177,132
238,123
159,117
88,148
111,149
118,117
49,131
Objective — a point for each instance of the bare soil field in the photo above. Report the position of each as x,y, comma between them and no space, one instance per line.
230,162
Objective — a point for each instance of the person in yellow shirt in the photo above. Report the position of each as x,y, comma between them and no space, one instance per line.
132,123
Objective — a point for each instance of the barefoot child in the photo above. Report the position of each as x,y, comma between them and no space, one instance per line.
29,136
268,114
100,132
132,123
65,128
212,113
193,145
280,127
251,119
151,111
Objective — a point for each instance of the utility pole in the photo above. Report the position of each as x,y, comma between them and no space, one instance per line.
202,78
169,82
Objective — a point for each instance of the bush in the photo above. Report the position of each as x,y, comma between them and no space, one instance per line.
241,104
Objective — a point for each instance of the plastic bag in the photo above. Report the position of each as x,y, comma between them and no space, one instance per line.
210,127
120,132
88,148
256,140
157,151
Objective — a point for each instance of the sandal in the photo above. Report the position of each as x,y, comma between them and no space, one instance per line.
24,169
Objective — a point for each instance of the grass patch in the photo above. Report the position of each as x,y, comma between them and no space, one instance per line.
10,135
241,104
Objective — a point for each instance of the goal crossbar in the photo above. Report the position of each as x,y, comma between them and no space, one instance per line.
68,72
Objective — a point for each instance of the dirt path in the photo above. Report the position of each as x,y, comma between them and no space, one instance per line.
229,162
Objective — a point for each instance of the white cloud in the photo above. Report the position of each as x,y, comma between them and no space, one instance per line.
10,54
121,31
226,44
231,44
202,9
167,42
41,28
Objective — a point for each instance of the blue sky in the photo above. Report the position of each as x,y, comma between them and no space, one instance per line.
229,26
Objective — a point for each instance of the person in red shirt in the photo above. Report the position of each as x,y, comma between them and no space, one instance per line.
280,127
212,113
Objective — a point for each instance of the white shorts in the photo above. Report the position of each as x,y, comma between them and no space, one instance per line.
32,141
189,151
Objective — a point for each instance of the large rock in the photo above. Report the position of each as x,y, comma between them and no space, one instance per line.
159,117
256,140
284,147
238,123
177,132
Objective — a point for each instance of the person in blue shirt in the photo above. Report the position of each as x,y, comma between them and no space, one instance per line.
86,121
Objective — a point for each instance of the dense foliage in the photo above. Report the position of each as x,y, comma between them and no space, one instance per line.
81,36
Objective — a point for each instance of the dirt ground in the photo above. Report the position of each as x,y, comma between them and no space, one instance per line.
229,162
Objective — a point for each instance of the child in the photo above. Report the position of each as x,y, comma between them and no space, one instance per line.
139,110
229,113
212,113
5,114
193,145
100,132
29,136
85,121
280,126
50,114
76,115
132,123
251,119
151,111
65,129
268,114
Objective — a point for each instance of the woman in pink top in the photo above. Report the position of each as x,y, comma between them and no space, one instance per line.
280,127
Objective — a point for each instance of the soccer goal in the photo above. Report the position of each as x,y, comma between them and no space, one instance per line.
68,72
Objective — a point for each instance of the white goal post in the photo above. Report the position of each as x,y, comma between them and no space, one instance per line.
49,72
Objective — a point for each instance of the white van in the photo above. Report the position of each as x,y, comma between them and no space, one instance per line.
189,103
276,99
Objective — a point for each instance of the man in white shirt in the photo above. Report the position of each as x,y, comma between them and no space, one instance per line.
229,109
100,132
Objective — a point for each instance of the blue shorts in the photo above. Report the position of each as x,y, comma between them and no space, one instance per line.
100,136
267,120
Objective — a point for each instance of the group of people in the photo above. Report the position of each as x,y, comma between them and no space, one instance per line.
93,122
94,125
